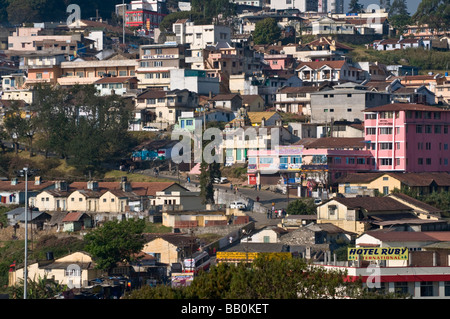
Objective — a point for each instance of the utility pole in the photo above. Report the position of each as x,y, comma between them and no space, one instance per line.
25,268
123,21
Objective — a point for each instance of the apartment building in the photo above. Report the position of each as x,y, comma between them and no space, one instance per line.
345,101
408,137
334,72
88,72
163,108
297,99
38,40
146,14
422,273
156,61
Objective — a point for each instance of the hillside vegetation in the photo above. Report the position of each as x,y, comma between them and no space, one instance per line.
426,60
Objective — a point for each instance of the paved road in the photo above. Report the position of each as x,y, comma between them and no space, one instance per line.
266,198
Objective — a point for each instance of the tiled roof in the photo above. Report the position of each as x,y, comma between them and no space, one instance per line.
334,142
373,204
20,186
408,236
138,188
152,94
179,240
256,117
404,107
318,64
300,89
423,178
358,178
73,216
417,203
224,97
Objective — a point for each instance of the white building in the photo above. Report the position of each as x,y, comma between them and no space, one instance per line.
424,274
194,80
200,36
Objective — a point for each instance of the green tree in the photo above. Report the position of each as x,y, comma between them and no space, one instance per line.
39,288
15,124
266,31
265,278
434,13
115,241
301,207
354,6
399,7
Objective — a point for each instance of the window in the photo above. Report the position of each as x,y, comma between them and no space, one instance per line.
428,161
426,289
386,115
371,116
401,287
386,130
437,129
447,288
385,190
428,129
385,146
386,161
350,160
428,145
361,161
420,161
418,128
371,131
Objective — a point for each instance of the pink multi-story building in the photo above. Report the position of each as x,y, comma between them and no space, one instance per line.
408,137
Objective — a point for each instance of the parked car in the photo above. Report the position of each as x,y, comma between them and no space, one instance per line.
150,129
317,201
238,205
221,180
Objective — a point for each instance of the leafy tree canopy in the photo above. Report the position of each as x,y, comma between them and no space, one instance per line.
115,241
301,207
265,278
434,13
266,31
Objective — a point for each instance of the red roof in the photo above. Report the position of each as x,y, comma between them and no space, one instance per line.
73,216
408,236
404,107
318,64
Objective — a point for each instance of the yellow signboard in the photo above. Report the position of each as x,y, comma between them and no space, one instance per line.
378,253
235,255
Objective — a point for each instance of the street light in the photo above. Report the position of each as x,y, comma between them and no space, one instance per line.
25,172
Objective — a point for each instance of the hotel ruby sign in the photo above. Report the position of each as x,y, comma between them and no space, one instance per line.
378,253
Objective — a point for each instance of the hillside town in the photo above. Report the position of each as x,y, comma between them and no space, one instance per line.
323,150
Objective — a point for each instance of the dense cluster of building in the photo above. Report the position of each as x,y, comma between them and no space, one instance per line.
302,118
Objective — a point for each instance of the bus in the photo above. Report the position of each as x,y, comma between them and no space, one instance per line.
199,261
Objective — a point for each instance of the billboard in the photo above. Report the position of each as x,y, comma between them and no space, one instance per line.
378,253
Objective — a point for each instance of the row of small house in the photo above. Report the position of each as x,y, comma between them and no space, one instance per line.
78,205
114,197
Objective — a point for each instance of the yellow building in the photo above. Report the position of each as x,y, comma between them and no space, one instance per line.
384,183
74,270
83,200
359,214
169,248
